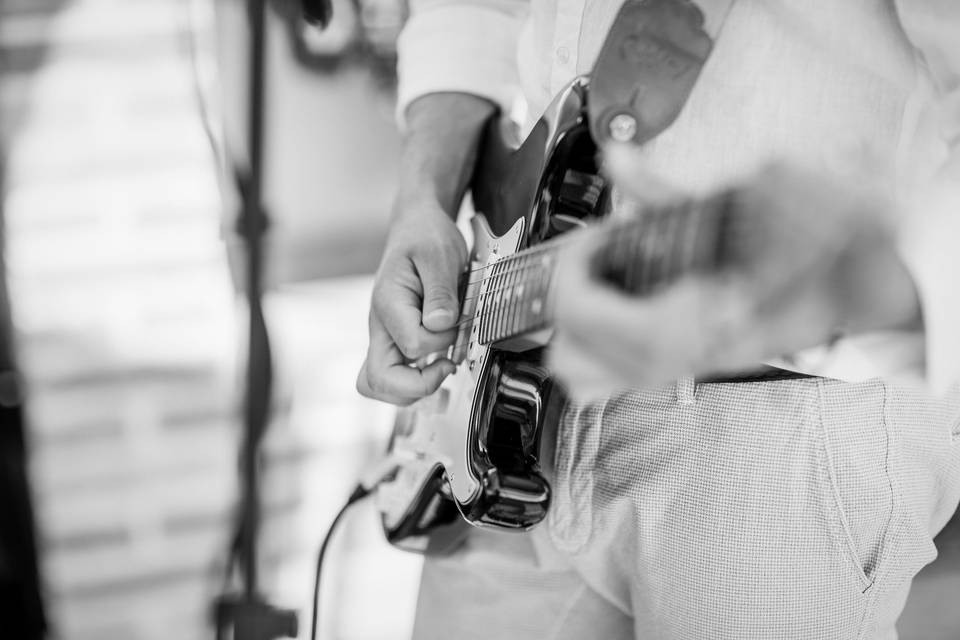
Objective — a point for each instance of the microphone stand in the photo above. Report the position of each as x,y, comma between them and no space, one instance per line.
247,615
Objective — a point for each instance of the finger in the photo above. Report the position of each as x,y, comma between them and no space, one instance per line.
386,375
396,306
402,384
439,269
364,388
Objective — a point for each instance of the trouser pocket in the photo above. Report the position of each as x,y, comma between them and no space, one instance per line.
856,454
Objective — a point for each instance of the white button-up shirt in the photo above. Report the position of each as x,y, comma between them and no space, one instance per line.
830,84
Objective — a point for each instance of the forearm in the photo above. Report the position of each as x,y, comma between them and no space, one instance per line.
440,147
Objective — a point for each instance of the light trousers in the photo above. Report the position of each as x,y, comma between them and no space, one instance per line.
797,509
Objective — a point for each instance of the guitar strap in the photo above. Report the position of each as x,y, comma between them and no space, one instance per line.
648,66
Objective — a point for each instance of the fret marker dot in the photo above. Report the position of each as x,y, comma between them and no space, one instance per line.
536,305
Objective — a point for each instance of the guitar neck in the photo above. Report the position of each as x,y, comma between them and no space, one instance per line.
636,256
516,296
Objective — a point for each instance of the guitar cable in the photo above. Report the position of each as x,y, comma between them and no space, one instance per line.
384,470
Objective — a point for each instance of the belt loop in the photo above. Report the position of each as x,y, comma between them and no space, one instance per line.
686,390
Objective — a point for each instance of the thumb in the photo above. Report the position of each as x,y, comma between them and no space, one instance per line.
439,272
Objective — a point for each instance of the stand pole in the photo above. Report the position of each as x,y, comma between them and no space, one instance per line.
247,616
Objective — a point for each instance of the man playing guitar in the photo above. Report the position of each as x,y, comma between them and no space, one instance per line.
686,508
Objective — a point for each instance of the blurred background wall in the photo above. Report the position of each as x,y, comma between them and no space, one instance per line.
123,278
129,328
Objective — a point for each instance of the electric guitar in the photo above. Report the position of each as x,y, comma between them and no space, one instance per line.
472,453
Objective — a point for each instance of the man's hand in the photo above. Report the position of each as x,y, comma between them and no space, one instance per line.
810,258
415,306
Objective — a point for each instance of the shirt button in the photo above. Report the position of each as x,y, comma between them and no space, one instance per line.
563,55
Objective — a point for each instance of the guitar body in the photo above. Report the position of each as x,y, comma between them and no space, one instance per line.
472,453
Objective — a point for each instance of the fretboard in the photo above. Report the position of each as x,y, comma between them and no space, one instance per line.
515,298
637,256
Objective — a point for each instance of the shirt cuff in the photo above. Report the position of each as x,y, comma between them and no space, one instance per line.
459,48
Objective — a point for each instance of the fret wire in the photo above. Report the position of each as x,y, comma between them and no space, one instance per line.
502,283
491,291
519,302
504,296
497,301
494,297
492,282
511,314
536,294
497,323
497,328
544,277
513,266
523,304
464,318
490,310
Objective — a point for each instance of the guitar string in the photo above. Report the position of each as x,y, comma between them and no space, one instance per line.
458,345
636,225
506,305
552,244
509,306
519,269
513,263
467,318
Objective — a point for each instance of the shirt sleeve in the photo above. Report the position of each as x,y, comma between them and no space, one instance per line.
929,240
467,46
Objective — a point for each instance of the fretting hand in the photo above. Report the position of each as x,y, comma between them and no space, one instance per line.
810,258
